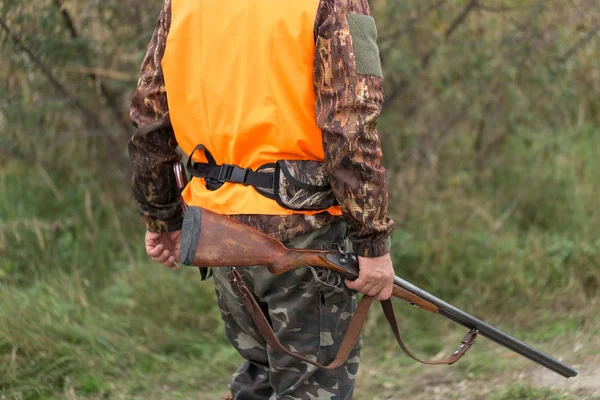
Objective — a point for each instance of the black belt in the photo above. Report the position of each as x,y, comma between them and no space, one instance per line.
216,175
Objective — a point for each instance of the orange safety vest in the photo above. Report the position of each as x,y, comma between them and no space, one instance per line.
239,78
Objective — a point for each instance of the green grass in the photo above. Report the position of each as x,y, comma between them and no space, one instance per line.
81,307
524,392
84,314
529,229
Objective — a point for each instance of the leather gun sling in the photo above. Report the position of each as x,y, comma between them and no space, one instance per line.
351,336
465,344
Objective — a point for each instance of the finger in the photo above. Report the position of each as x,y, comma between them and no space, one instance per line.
172,263
368,288
155,251
355,285
169,265
386,293
358,284
163,257
373,290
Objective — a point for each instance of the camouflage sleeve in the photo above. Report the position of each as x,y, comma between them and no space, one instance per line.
349,90
152,148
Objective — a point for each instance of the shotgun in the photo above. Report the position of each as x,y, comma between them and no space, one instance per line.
212,240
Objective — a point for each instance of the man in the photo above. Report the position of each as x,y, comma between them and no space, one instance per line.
258,81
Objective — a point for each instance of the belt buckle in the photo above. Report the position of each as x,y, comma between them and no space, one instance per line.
225,173
239,175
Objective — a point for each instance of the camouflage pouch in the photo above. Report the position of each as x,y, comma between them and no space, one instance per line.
302,186
298,185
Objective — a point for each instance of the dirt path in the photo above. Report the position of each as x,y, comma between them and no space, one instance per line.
439,384
587,382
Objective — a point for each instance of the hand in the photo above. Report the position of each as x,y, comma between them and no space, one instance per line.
164,248
375,278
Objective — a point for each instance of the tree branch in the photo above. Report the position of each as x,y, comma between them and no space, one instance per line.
461,18
401,86
580,44
451,29
104,92
497,9
91,120
401,29
67,18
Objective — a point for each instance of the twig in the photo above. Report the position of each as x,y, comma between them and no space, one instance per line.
508,212
34,223
65,135
528,22
46,177
495,224
579,45
461,18
101,72
451,29
451,123
67,18
497,9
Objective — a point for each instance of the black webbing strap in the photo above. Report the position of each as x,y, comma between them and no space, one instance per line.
216,174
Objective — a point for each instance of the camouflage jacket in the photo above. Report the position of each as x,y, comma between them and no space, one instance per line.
349,97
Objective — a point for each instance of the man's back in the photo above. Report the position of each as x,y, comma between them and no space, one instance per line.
240,80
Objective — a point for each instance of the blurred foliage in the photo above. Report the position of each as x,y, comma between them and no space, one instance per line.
491,141
462,76
490,131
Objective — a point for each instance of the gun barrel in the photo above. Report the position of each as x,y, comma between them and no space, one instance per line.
488,331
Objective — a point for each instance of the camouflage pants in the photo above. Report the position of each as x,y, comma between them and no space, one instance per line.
308,317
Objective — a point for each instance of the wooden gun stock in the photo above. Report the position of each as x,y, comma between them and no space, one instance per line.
212,240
